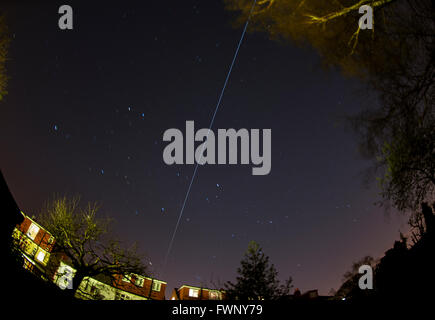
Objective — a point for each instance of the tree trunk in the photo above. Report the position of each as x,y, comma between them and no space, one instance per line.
77,280
429,218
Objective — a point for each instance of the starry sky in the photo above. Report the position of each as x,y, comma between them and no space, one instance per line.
87,110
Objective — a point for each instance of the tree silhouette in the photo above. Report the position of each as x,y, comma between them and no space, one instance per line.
85,240
257,279
405,271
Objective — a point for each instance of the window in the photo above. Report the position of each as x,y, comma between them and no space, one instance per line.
139,281
50,240
41,256
194,293
157,286
126,278
121,296
214,295
27,265
33,231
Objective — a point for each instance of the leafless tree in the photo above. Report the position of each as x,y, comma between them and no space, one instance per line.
87,243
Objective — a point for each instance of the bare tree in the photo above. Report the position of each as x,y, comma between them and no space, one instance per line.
85,239
418,229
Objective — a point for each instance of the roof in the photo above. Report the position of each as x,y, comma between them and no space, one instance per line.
37,224
153,279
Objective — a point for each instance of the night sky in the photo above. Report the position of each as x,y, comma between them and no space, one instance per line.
87,110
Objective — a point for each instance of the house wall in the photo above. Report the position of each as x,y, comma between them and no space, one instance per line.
64,276
145,290
43,238
30,248
92,289
34,241
203,294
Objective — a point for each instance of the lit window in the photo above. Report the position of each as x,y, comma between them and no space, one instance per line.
214,295
41,256
157,286
126,278
121,296
194,293
33,231
139,281
27,265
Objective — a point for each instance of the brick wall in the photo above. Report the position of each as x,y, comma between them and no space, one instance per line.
144,290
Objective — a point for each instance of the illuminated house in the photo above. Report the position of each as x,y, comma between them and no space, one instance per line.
195,293
104,287
131,287
35,244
